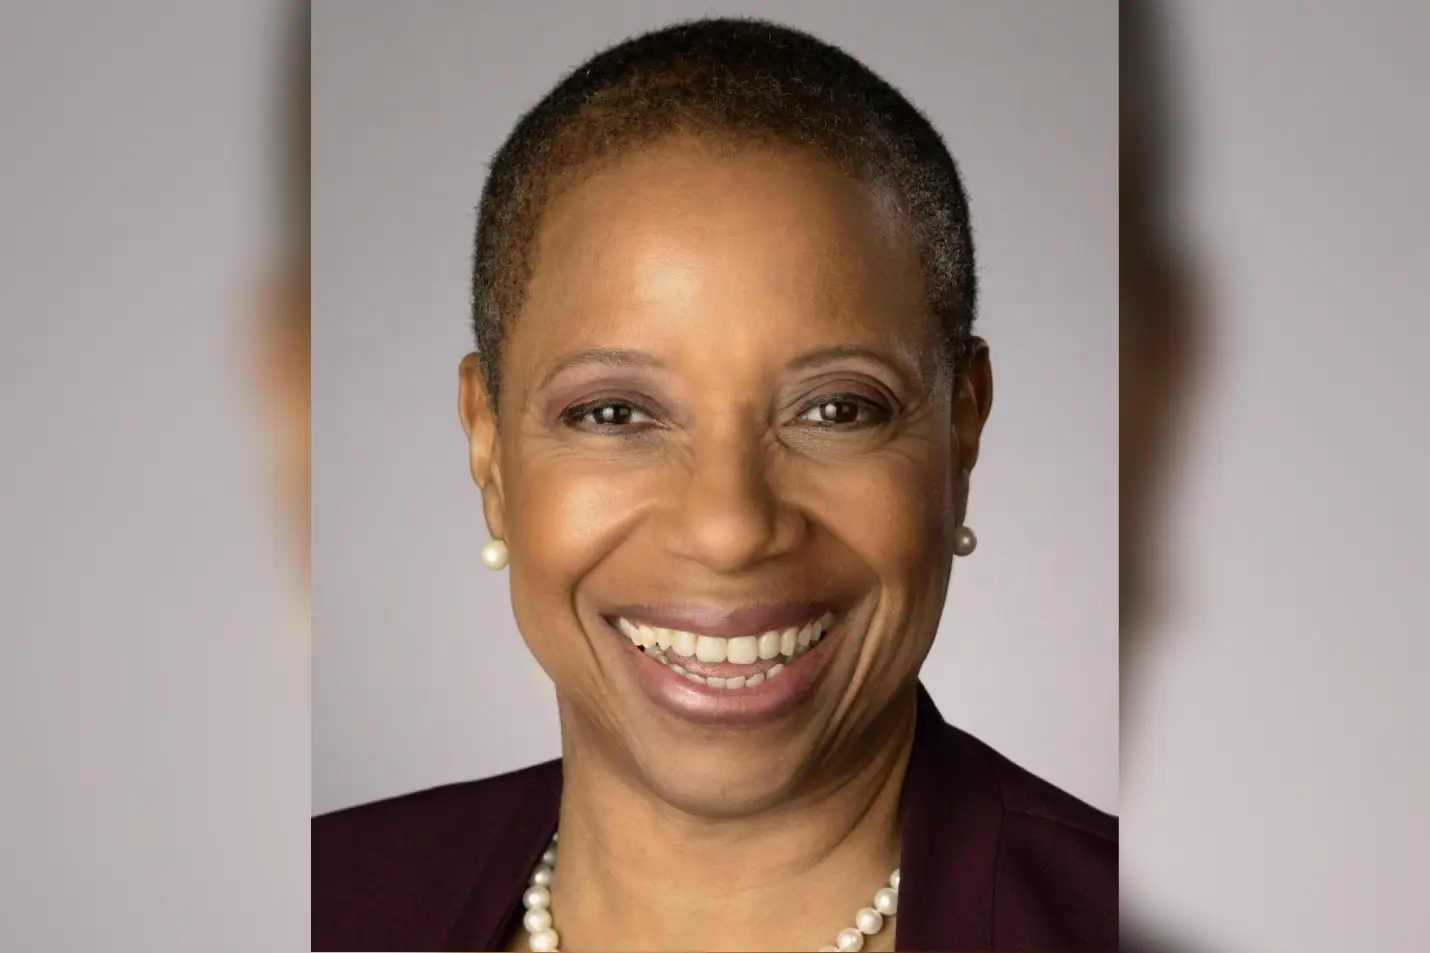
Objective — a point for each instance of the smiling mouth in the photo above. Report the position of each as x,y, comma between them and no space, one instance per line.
732,664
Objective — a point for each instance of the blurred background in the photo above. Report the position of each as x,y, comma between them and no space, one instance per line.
154,683
152,605
1275,775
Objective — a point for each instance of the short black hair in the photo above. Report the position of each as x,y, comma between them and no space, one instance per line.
738,80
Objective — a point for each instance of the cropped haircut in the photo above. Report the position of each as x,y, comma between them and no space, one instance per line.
733,81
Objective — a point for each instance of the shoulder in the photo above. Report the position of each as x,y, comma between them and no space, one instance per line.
376,866
415,817
991,780
1002,859
1028,799
1057,856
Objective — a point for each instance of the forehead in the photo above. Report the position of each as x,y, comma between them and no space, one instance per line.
685,243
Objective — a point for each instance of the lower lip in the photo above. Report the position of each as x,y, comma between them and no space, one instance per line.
692,701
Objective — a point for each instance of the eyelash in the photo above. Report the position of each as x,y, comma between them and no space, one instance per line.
575,417
881,414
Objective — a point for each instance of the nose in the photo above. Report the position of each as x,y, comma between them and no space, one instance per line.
726,511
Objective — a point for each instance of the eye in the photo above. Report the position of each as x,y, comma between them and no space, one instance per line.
606,415
845,411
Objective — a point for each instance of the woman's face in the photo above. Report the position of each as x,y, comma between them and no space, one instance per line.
726,430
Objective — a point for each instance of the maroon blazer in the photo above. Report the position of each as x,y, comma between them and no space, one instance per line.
993,858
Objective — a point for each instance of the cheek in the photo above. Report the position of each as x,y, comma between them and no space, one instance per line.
568,512
896,517
895,512
563,517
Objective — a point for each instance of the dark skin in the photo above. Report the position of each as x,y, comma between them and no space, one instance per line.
778,425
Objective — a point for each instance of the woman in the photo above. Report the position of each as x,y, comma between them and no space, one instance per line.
723,413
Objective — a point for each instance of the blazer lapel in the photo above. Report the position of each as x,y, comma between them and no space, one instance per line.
950,829
470,909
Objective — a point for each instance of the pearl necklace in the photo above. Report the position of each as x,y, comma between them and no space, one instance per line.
542,937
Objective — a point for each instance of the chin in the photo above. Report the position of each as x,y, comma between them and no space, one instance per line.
720,781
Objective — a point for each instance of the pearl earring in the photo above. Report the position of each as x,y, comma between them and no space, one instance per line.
494,555
964,541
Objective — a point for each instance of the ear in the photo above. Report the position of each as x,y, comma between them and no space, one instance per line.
479,421
972,401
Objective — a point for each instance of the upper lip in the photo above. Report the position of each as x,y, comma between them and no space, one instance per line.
721,622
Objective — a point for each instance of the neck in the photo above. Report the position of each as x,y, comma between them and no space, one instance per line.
636,873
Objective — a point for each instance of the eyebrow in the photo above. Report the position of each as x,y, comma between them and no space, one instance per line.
839,352
605,356
621,357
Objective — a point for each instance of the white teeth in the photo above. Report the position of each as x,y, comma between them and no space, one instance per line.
710,650
769,645
659,643
733,683
743,650
789,641
682,643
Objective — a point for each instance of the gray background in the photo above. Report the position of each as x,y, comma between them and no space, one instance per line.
156,766
154,769
1277,769
419,675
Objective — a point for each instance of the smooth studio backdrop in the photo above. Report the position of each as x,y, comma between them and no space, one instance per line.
419,675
